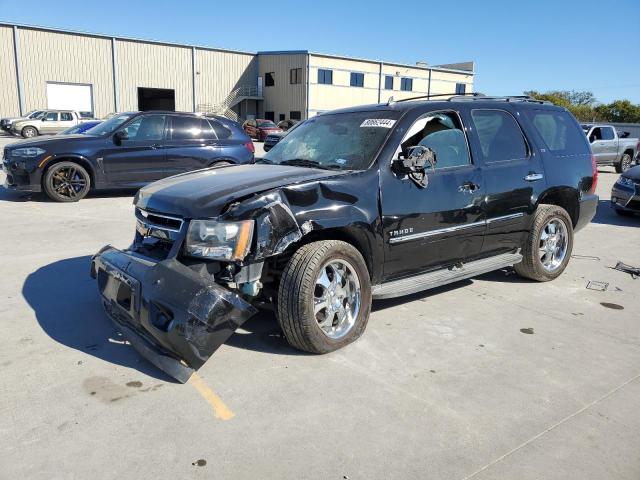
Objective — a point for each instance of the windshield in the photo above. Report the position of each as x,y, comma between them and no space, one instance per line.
34,114
266,124
346,141
110,125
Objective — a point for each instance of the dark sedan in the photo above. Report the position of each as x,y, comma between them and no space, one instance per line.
625,194
127,151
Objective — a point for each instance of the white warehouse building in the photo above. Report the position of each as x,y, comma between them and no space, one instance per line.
46,68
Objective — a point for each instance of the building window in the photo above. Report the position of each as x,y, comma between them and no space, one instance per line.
269,79
357,79
269,116
461,88
388,82
295,115
325,77
406,84
295,75
281,116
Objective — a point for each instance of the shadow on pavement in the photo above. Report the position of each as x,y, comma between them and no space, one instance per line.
8,195
606,215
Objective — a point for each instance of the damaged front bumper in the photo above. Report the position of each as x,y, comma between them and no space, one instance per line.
175,317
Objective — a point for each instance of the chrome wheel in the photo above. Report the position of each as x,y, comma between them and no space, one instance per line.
68,182
554,241
336,298
625,163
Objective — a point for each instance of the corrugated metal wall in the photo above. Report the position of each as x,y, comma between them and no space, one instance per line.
154,66
219,73
284,97
9,103
60,57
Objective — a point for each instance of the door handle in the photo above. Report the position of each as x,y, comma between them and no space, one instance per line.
468,187
533,176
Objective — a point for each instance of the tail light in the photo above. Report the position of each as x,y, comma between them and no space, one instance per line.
250,147
594,174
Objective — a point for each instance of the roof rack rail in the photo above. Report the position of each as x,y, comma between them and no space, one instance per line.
504,98
471,96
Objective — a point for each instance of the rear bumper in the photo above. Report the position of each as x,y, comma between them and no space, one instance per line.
587,210
173,316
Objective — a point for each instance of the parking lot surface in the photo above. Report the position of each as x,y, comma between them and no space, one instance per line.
492,378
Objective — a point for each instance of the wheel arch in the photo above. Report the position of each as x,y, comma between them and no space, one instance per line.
29,126
565,197
351,235
82,161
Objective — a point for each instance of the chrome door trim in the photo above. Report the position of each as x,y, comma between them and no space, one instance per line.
505,217
431,233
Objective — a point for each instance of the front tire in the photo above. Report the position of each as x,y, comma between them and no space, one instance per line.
29,132
324,299
66,182
547,249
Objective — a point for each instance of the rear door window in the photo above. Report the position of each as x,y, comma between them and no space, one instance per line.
560,132
66,116
220,131
190,128
500,136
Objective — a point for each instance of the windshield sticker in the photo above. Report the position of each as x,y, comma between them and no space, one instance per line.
378,122
341,161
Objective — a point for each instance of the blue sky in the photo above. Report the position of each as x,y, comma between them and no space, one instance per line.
517,45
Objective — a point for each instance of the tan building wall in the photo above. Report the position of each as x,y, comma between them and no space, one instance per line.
9,102
151,65
341,94
219,73
283,97
61,57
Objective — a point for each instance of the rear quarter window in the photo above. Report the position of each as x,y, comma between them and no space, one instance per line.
559,131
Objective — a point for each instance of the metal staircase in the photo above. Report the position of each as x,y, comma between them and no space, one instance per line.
237,95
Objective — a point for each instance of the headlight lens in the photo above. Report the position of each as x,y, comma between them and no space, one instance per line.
625,181
27,152
219,240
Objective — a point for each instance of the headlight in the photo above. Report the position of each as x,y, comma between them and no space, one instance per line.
625,181
27,152
219,240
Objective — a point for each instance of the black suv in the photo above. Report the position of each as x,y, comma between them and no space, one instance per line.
127,151
369,202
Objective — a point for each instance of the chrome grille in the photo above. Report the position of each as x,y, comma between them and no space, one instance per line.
159,221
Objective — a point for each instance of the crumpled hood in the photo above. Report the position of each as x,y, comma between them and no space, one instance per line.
633,173
205,193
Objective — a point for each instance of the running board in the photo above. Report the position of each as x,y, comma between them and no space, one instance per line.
426,281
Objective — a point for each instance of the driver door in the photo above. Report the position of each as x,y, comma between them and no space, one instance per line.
443,223
140,158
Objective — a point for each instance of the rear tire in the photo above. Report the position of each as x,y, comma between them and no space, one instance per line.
29,132
66,182
545,253
324,297
624,164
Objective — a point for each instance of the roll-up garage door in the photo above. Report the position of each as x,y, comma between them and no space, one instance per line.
70,96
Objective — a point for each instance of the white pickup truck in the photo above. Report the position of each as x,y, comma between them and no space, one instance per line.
49,123
610,149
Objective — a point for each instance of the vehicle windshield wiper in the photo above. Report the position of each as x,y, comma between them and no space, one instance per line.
302,162
263,160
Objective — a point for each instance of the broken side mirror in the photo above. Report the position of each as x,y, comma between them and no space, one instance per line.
415,165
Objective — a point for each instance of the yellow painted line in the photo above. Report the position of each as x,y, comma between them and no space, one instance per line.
220,410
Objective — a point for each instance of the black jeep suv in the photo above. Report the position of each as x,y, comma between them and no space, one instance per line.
368,202
127,151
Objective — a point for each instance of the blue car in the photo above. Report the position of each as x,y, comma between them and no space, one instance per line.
127,151
80,128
